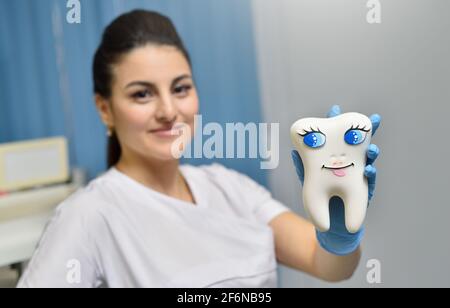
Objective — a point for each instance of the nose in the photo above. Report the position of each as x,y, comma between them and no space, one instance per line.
338,160
166,110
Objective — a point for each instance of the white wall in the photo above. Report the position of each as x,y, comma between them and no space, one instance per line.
316,53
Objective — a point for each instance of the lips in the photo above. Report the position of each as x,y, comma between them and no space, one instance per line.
168,131
340,171
162,129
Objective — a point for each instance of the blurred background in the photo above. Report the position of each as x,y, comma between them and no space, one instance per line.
263,61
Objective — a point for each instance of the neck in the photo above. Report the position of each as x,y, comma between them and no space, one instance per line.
162,176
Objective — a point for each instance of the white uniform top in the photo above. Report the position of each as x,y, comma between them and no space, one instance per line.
116,232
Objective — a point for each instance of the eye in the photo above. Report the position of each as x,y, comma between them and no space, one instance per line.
182,90
142,96
314,139
355,136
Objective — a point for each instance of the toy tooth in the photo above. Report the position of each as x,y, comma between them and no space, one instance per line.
333,151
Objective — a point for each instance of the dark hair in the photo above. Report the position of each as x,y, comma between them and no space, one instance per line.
128,31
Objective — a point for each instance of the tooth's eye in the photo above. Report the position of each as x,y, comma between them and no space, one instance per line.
355,136
314,140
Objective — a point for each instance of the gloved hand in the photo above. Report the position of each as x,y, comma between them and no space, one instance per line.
338,240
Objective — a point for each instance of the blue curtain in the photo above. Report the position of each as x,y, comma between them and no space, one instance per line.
45,80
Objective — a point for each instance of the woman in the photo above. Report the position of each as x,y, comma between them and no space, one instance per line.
149,222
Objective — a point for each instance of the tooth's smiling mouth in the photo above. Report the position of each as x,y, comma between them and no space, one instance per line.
339,168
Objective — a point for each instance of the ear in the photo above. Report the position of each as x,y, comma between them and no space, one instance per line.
104,109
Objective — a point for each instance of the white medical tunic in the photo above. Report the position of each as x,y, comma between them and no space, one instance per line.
116,232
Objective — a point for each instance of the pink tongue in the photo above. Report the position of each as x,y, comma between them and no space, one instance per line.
339,172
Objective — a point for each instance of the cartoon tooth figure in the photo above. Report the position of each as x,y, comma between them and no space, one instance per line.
333,152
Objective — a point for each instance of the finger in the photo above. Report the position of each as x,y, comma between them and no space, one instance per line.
376,121
299,169
334,111
372,154
371,173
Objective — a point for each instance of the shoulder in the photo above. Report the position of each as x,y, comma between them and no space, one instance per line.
243,193
87,202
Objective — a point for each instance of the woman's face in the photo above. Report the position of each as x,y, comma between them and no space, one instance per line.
152,90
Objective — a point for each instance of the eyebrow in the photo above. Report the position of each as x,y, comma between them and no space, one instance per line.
149,84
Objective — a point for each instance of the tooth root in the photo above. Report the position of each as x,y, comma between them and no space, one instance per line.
317,207
355,210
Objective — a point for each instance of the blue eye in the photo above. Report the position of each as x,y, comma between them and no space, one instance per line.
355,136
314,139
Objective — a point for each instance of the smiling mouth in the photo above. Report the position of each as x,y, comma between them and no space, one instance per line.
340,171
338,168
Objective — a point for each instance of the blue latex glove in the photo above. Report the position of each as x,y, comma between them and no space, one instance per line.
338,240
